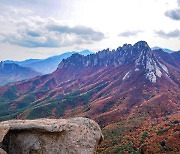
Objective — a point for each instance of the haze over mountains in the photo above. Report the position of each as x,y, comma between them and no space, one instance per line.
132,92
48,65
164,49
13,72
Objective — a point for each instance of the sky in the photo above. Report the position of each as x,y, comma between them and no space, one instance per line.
43,28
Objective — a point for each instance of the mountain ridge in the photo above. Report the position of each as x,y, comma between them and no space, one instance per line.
13,73
123,55
48,65
130,87
164,49
82,71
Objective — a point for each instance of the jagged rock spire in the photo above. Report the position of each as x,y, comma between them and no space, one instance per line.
139,54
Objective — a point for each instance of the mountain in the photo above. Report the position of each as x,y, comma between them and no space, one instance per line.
131,92
48,65
85,52
13,72
164,49
23,63
172,59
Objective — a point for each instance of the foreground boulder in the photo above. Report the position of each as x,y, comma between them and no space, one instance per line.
50,136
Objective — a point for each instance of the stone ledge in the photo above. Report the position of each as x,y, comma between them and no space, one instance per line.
50,136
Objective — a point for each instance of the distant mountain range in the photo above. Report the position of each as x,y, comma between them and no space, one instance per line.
132,92
13,72
164,49
48,65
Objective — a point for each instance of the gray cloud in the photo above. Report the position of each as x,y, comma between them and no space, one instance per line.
84,32
29,42
129,33
173,14
34,31
171,34
52,38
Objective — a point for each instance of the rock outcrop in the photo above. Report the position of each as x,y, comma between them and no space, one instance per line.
49,136
140,55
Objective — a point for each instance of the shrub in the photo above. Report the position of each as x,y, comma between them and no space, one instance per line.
161,131
144,135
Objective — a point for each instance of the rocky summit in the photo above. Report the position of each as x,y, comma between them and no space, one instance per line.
50,136
139,54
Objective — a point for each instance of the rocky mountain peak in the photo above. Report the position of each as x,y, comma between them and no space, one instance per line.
126,46
122,55
142,45
75,60
139,55
1,65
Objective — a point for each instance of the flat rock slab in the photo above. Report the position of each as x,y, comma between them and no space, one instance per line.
50,136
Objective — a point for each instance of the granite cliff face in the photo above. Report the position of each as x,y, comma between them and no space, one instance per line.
50,136
140,55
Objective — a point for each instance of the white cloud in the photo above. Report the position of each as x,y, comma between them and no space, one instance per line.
24,24
33,31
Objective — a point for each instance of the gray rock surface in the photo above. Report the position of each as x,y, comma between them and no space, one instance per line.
2,151
3,131
50,136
